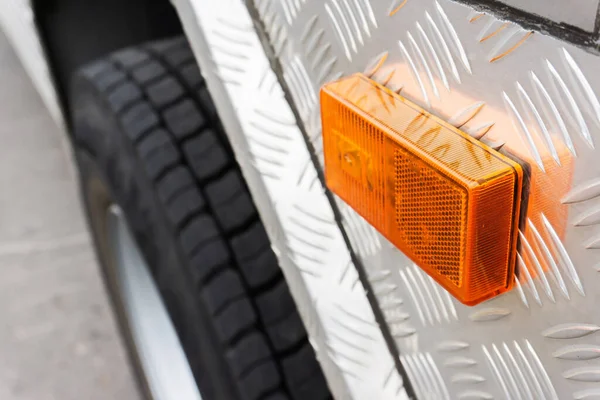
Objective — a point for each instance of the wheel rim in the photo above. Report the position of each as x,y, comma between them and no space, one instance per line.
161,355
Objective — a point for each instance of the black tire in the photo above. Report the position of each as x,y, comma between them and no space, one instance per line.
148,138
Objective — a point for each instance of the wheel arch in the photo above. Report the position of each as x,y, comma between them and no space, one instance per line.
74,32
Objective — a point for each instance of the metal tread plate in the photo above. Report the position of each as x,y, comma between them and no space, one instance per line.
515,89
297,214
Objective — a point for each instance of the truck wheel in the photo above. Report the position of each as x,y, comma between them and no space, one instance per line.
198,292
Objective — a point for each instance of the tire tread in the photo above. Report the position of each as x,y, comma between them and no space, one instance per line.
166,111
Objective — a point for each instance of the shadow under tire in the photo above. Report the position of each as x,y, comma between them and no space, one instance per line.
148,139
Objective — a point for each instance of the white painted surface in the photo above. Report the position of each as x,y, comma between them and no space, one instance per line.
58,339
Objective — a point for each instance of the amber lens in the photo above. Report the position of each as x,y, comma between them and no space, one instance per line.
431,214
448,201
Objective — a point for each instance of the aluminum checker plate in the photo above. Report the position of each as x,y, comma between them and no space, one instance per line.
297,214
510,87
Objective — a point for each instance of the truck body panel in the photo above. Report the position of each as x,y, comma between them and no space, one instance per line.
381,327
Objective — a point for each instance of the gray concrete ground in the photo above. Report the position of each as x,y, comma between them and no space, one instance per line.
58,338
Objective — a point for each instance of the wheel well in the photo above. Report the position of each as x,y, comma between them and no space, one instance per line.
75,32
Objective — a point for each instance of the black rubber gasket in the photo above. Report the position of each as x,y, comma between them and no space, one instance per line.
566,32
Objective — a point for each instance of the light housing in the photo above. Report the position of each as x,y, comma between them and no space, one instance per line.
446,200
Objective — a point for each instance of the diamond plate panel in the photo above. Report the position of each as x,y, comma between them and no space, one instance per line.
516,90
284,183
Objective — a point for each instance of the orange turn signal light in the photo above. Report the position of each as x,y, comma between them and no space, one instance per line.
446,200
